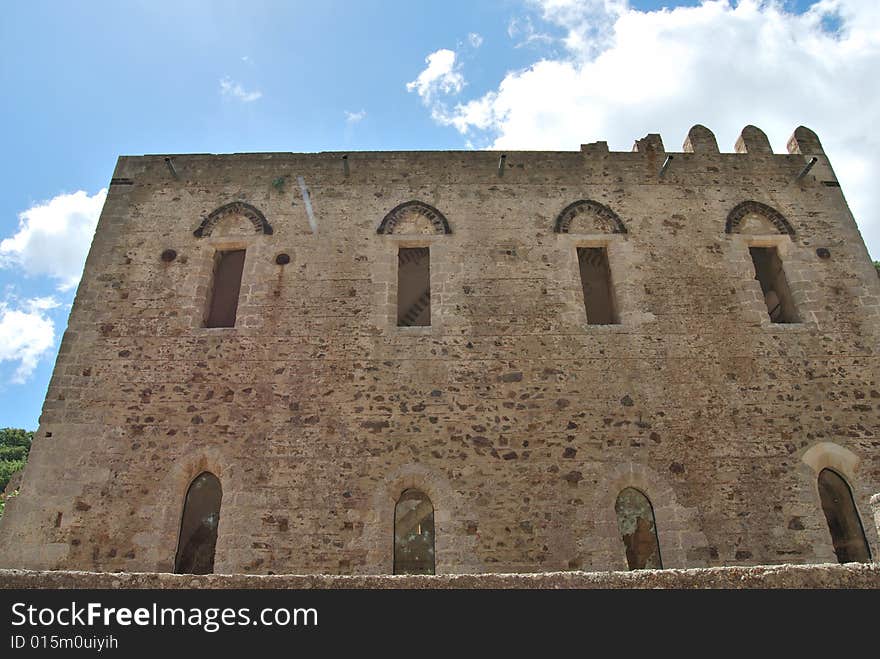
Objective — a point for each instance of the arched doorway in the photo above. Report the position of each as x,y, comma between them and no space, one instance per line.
846,529
198,526
638,530
413,534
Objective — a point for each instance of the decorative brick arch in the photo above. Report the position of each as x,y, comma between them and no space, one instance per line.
611,219
261,225
435,217
735,216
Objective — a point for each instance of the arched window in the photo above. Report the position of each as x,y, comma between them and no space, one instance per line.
418,219
198,526
413,287
635,519
846,529
413,534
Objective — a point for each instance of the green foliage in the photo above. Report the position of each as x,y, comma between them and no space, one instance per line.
14,446
16,437
12,453
3,500
7,468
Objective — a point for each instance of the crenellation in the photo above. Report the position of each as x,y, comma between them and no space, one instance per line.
565,167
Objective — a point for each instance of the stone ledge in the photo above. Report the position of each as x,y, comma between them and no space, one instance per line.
852,575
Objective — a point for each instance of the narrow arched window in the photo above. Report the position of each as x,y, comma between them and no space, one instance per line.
847,533
198,526
413,534
417,219
635,519
774,285
414,287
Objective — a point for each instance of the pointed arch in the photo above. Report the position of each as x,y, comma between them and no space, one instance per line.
198,526
608,217
435,217
844,524
735,216
261,225
638,529
414,533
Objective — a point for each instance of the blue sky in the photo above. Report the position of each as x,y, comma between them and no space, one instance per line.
85,82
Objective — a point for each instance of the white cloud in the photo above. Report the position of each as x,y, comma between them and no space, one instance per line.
231,88
523,30
37,304
475,39
26,334
53,237
439,77
355,117
623,73
589,23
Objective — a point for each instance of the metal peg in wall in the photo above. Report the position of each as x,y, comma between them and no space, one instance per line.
170,165
807,168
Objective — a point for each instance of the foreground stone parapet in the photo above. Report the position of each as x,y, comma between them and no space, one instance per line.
850,575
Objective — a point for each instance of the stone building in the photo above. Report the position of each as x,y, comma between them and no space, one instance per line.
463,362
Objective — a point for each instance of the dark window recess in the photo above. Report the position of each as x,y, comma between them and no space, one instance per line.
198,527
413,534
635,520
596,283
843,520
228,267
774,286
413,287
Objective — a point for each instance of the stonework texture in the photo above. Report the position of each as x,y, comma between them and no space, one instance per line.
519,420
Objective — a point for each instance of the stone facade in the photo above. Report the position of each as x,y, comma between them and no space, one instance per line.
520,421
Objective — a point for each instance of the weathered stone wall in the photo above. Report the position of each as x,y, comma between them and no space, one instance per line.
850,575
520,421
